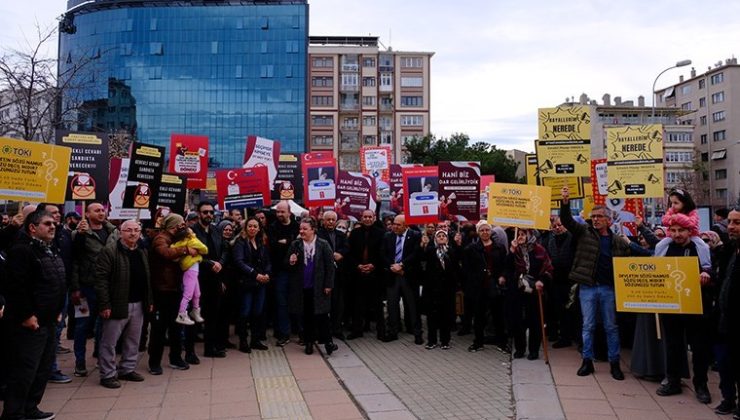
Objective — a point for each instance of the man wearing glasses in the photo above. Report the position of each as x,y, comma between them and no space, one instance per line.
593,270
124,293
35,289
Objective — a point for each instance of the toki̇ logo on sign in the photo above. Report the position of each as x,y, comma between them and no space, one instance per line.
9,150
642,267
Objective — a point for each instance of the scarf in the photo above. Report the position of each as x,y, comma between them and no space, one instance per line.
309,249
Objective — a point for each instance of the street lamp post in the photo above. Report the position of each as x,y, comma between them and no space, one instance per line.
681,63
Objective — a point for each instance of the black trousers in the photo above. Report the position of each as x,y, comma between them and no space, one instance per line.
31,356
483,307
440,316
697,329
166,306
314,325
524,314
337,304
401,286
368,304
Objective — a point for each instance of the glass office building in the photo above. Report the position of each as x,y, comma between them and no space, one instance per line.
222,68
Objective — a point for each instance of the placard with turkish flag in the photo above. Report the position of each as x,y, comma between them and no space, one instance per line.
421,198
242,188
189,157
319,179
396,185
263,152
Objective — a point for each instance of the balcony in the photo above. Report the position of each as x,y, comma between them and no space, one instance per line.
386,107
349,88
385,88
350,68
349,145
349,106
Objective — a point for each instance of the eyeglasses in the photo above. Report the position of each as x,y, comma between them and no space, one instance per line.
597,216
207,212
46,223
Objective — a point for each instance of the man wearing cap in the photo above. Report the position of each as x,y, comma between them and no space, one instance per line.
166,286
71,219
695,328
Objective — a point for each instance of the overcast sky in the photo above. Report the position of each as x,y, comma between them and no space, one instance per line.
497,61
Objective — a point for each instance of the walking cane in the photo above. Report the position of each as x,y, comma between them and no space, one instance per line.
542,323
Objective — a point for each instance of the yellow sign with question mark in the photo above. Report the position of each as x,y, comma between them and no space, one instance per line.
518,205
32,171
666,285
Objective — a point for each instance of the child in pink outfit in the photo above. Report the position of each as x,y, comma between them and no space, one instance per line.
683,206
190,266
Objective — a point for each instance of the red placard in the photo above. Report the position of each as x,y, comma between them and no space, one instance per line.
421,197
263,152
355,194
485,182
189,157
243,188
459,191
319,179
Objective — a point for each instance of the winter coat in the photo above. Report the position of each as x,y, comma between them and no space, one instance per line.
323,277
249,262
113,278
86,249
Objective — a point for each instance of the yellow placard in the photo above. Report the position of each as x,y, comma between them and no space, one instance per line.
531,167
667,285
518,205
588,199
31,171
563,158
564,123
574,184
635,161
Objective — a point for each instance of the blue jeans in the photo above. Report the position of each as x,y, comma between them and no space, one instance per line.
82,325
281,300
253,302
599,298
60,326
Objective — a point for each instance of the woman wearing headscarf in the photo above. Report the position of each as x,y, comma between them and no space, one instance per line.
528,270
311,263
439,285
252,261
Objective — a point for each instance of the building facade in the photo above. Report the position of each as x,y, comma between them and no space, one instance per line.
360,95
224,69
712,104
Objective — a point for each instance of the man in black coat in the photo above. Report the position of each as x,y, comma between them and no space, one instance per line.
364,275
211,285
338,242
401,252
35,288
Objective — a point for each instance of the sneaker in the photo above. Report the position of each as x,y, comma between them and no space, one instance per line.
131,377
195,315
736,414
59,378
669,388
191,359
431,346
702,394
111,383
587,368
184,319
63,350
725,407
533,356
37,414
179,365
475,347
330,348
155,370
281,342
258,345
80,369
445,346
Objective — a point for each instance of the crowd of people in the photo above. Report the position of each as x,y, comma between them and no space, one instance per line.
317,280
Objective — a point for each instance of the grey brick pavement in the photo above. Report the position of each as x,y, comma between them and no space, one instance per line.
433,384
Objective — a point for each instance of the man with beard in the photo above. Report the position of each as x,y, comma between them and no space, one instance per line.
280,235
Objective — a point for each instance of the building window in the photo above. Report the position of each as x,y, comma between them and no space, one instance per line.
672,177
718,116
719,135
349,161
720,174
155,48
412,120
368,81
701,83
369,120
267,71
322,140
350,80
368,62
322,62
717,78
322,81
291,47
322,120
702,102
718,97
412,101
350,123
349,63
685,90
369,140
703,120
705,157
679,138
703,139
679,156
411,62
386,137
385,60
322,100
386,80
721,193
412,82
719,154
686,106
368,100
264,23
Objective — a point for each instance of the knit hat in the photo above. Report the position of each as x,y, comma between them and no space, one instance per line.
171,221
481,224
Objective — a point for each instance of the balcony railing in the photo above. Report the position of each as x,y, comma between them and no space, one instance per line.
349,88
352,106
350,68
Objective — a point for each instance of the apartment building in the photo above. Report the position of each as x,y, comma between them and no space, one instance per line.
362,95
711,102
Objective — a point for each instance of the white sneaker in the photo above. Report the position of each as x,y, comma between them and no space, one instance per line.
184,319
195,315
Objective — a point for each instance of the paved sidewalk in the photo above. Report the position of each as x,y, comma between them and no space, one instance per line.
281,383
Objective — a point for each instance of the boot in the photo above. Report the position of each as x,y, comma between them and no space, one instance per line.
241,330
195,315
587,368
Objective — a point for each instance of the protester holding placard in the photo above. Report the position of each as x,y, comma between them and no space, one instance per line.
729,320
